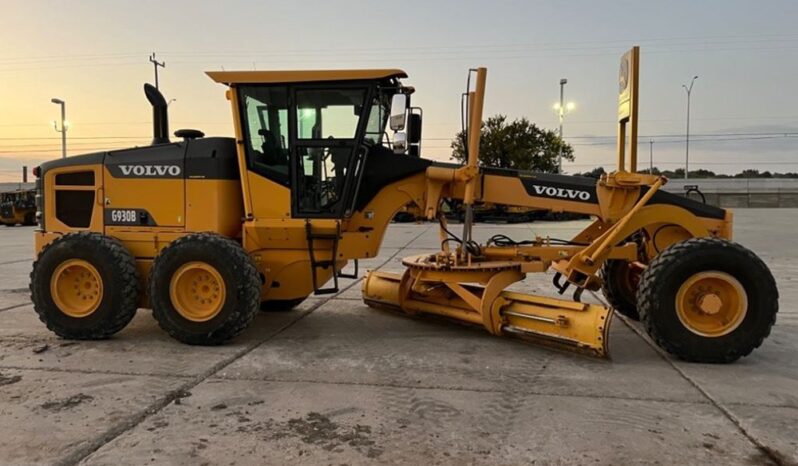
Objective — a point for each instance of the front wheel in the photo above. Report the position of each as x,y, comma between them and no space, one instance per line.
708,300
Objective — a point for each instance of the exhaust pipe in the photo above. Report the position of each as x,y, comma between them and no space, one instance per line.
160,119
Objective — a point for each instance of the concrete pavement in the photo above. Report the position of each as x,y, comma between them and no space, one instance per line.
335,382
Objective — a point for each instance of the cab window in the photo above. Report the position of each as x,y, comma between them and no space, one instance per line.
328,113
378,117
327,122
265,115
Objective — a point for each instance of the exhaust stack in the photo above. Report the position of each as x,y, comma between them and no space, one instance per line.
160,119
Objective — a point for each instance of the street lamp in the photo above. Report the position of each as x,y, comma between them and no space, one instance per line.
64,125
562,109
650,156
687,140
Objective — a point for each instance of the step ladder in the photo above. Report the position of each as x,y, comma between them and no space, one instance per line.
316,264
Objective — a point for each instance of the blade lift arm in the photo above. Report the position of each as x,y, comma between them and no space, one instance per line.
470,283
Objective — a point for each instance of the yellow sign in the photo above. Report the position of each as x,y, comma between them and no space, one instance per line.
627,107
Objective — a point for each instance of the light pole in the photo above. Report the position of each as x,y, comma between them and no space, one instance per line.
650,156
64,125
687,140
562,108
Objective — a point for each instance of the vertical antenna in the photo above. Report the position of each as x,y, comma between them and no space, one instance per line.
155,65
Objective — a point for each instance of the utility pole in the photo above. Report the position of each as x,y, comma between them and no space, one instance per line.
563,82
64,125
650,156
155,65
687,140
562,108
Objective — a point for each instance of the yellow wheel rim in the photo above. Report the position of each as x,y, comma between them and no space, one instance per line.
76,288
711,304
197,291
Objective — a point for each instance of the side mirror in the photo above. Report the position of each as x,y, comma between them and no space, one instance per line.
399,143
398,112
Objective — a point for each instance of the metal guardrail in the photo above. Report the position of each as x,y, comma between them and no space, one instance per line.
739,192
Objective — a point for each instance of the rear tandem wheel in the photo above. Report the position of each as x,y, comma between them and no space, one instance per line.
620,280
204,289
85,286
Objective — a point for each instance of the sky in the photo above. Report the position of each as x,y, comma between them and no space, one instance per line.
93,54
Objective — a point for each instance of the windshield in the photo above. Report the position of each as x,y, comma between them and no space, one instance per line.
329,113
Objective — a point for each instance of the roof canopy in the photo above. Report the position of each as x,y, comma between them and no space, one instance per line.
254,77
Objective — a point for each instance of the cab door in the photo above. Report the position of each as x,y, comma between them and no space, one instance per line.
326,129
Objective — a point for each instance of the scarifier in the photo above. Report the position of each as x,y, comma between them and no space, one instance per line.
205,231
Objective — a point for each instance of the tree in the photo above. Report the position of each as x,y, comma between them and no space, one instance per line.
518,144
702,173
594,173
748,173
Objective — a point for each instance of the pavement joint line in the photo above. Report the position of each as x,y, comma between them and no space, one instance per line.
88,372
15,261
389,385
14,306
137,418
457,389
774,455
422,334
16,290
762,405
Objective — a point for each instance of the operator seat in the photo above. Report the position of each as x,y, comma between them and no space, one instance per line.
273,154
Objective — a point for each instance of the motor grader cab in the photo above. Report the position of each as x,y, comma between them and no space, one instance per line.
204,231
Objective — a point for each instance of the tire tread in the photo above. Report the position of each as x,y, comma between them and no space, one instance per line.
649,292
129,285
249,290
613,294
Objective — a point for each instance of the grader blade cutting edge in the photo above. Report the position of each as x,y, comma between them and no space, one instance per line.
552,322
565,324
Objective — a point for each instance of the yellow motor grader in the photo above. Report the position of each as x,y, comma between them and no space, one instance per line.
205,231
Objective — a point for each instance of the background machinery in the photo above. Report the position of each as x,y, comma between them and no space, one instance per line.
206,230
18,207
